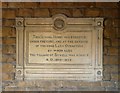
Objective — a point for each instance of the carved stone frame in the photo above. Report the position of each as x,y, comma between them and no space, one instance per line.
96,24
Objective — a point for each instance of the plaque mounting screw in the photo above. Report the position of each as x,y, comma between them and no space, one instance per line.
59,24
19,72
19,23
99,23
99,72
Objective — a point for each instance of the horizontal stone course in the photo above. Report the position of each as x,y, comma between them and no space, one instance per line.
8,32
24,13
9,49
9,41
8,23
8,13
41,13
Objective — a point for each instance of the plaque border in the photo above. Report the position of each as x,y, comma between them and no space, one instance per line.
24,23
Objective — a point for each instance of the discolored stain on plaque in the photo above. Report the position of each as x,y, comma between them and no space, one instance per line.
59,48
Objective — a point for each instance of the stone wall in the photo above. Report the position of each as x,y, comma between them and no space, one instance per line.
109,11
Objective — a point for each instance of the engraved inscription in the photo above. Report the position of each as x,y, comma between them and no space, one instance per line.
49,47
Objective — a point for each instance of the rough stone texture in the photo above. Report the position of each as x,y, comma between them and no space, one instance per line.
4,5
31,5
114,42
112,51
107,42
8,49
66,12
105,50
8,22
115,22
106,5
8,32
7,68
109,11
6,76
92,12
8,13
15,5
9,41
110,60
67,5
41,13
24,12
8,58
78,12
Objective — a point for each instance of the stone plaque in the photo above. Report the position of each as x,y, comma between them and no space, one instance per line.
59,48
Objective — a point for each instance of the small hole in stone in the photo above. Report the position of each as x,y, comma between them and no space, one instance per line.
99,72
19,23
99,23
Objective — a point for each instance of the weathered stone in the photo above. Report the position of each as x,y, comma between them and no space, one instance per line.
41,13
8,58
8,49
78,12
15,88
4,4
107,84
67,84
110,13
8,23
84,4
105,50
85,84
9,41
106,77
7,68
108,22
112,89
8,13
24,12
114,77
114,69
8,32
116,22
106,5
96,84
107,42
66,12
106,33
66,5
6,77
15,5
95,89
110,60
92,12
113,33
106,69
114,42
21,84
31,4
113,51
